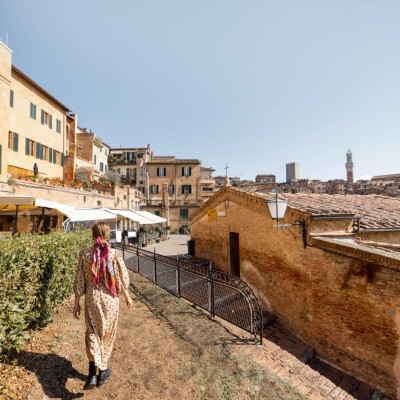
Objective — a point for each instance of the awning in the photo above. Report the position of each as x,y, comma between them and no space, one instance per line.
28,203
133,216
150,216
90,214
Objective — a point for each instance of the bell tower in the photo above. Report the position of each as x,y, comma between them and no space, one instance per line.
349,166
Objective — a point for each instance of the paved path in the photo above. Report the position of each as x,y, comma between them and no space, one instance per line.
283,352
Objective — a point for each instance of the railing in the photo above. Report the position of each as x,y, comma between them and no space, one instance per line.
220,293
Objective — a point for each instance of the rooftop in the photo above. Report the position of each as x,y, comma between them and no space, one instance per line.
376,212
172,160
34,84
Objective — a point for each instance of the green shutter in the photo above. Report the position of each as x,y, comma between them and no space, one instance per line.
15,142
27,146
50,121
50,155
62,159
42,117
37,150
11,98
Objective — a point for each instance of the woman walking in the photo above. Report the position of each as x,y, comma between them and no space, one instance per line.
101,276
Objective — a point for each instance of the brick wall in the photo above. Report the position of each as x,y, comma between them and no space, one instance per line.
348,309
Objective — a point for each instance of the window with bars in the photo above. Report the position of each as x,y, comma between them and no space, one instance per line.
186,189
186,171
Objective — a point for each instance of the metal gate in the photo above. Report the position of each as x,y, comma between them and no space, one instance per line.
220,293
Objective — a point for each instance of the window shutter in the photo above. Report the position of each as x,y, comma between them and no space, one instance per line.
190,171
27,146
50,121
15,142
42,117
62,159
183,171
50,154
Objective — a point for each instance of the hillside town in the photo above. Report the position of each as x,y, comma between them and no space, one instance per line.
328,269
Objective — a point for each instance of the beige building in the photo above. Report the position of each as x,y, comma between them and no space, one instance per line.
33,125
130,164
174,188
340,293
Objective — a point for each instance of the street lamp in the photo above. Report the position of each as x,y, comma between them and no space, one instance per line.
277,209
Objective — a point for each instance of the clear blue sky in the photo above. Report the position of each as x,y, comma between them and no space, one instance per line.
254,84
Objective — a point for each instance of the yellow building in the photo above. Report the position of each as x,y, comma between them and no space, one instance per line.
33,125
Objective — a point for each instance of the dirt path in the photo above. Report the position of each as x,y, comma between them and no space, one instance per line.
165,349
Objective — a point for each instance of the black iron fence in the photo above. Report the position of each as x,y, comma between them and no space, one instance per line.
220,293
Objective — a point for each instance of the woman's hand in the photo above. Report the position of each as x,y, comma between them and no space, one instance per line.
128,300
77,310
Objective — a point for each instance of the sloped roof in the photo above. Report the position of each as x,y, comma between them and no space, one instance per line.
171,160
375,211
38,87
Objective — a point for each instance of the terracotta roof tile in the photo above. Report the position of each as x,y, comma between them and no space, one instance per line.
380,212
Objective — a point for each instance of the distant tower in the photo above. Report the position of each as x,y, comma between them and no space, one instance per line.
292,171
349,167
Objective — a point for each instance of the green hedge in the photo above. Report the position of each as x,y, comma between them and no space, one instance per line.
37,273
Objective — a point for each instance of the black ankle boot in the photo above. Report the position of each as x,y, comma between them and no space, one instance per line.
91,381
103,376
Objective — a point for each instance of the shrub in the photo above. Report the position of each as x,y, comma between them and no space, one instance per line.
37,273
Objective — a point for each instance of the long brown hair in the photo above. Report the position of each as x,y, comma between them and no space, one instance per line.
102,230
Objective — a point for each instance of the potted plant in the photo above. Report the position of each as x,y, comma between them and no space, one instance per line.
143,233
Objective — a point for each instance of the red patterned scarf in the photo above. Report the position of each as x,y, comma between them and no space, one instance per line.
102,267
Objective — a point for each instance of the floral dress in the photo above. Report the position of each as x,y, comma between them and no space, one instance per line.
101,308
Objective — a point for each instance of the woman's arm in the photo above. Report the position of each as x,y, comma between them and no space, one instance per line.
79,286
123,279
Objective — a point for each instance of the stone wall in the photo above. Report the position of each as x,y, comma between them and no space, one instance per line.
348,309
64,195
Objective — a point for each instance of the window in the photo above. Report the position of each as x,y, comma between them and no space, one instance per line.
162,171
13,141
105,151
94,159
157,213
11,98
184,213
171,189
153,189
47,119
33,111
29,147
39,151
101,166
141,189
58,126
207,189
186,171
186,189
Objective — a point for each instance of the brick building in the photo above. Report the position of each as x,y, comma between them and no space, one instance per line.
341,293
265,178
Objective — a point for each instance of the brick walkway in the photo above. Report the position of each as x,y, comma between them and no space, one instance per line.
284,351
317,379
